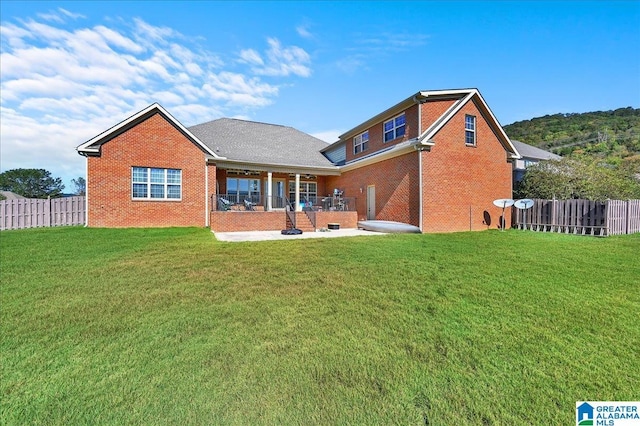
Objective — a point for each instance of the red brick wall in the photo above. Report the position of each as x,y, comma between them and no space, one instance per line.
432,110
460,182
234,221
345,219
376,134
152,143
396,182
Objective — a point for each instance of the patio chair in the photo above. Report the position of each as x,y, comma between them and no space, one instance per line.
224,204
249,206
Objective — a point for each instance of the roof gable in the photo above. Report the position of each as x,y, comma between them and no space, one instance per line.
92,146
473,95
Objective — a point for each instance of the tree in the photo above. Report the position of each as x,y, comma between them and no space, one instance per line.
578,178
31,183
81,186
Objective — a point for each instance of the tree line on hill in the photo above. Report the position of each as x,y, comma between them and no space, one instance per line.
600,150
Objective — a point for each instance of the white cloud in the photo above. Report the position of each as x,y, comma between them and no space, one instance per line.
250,56
62,82
329,136
365,48
303,31
280,61
351,64
59,16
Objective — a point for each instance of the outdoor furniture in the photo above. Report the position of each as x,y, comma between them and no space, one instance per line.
249,206
224,204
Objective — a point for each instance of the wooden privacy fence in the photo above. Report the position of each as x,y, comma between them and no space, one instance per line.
32,212
584,217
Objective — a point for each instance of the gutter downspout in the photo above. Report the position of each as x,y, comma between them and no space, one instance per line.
420,188
420,183
86,192
206,193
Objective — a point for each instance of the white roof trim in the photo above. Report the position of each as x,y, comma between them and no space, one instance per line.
385,154
274,167
88,148
444,119
418,97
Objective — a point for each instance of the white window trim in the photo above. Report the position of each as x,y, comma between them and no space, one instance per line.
250,194
148,183
473,131
360,141
395,128
304,193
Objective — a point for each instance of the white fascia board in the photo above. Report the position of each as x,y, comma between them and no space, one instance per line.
272,167
397,108
515,154
187,132
87,146
430,133
387,154
448,115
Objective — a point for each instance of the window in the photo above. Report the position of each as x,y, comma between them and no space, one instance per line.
469,130
156,184
361,142
308,191
394,128
239,190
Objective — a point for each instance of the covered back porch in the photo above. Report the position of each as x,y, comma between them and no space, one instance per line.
267,199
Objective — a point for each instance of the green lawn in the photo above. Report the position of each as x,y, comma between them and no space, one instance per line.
170,326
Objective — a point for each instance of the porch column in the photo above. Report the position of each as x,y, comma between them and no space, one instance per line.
269,194
298,208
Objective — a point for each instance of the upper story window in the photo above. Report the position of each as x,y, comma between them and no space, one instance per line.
361,142
150,183
469,130
394,128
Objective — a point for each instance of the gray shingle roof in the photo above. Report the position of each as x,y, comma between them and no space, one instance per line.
255,142
528,151
11,195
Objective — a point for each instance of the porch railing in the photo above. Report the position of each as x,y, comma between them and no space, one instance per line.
224,202
254,202
328,203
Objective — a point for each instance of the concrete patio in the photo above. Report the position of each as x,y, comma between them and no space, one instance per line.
276,235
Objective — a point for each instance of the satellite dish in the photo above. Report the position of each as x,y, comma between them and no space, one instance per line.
503,202
525,203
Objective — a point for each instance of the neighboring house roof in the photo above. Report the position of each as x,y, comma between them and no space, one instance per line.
528,151
253,142
11,195
92,146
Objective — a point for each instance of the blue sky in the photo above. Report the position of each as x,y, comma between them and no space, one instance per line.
70,70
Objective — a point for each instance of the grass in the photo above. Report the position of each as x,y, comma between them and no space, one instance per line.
170,326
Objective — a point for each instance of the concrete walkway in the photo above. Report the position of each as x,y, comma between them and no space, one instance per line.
276,235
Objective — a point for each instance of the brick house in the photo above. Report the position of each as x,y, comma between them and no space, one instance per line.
529,155
435,160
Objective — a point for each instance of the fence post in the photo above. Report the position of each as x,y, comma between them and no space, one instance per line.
627,222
